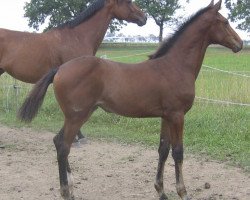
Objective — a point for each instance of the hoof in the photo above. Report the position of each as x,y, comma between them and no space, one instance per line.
163,197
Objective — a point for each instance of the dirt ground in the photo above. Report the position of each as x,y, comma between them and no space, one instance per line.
106,171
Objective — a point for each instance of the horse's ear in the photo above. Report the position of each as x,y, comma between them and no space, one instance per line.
211,4
217,6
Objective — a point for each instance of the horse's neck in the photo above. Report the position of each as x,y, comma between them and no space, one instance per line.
194,54
91,32
190,50
200,52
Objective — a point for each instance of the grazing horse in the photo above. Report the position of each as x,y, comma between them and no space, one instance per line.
28,56
163,86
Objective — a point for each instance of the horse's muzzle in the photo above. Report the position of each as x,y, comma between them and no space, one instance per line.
142,21
237,46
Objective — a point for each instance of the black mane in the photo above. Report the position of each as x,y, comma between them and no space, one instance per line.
84,15
168,43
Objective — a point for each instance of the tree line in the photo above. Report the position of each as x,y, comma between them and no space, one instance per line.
55,12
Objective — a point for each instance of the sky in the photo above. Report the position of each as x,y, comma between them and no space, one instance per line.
12,17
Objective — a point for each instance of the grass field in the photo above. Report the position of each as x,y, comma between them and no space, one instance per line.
219,131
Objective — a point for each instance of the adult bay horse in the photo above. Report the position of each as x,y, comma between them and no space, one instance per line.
28,56
163,86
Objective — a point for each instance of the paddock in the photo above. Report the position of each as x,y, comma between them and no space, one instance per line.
205,141
28,163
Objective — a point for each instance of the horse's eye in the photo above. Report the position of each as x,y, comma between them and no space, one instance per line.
129,1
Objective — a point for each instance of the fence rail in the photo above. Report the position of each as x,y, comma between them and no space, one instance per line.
14,91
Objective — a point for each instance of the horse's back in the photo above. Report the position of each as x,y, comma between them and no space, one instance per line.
88,68
10,35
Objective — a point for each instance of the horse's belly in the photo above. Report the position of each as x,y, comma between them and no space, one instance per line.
25,73
132,111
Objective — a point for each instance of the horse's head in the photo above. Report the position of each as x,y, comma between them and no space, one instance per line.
127,10
221,32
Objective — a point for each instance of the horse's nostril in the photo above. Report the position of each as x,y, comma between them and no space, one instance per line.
142,21
237,49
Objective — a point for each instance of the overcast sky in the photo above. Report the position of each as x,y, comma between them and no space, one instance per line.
11,17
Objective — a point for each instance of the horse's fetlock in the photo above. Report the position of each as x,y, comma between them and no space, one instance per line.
158,187
181,191
64,190
66,193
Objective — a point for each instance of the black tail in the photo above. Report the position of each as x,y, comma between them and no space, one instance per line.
33,102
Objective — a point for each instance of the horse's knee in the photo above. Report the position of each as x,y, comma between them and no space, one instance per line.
177,153
163,149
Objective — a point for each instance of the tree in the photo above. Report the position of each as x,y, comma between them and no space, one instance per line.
55,12
239,12
161,11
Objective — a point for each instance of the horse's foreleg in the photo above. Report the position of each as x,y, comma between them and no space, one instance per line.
163,155
176,131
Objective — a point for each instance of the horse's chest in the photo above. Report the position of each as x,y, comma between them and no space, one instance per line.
181,100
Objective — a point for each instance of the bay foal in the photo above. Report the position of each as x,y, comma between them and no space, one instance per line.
163,86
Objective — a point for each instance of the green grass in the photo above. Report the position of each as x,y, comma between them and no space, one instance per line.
218,131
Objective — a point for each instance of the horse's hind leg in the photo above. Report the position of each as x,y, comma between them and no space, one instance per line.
163,155
63,142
